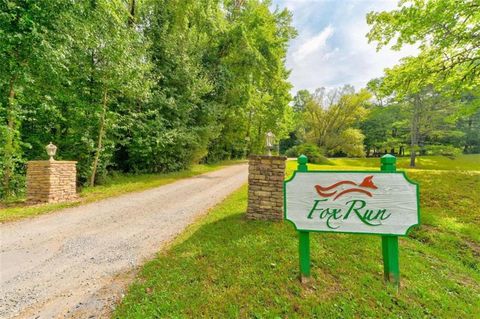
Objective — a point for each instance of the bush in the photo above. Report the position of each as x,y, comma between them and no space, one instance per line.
445,150
312,151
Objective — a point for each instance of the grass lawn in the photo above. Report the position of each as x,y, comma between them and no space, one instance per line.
224,266
114,186
461,162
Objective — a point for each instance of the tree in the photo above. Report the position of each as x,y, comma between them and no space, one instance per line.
174,127
469,124
117,69
252,88
447,34
29,51
105,75
331,118
384,129
424,120
139,86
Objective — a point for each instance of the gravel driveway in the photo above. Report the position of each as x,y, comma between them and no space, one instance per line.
76,262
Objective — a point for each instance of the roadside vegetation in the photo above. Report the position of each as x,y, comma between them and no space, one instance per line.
224,266
138,86
114,186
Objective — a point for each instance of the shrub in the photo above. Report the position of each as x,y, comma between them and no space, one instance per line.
445,150
292,151
312,151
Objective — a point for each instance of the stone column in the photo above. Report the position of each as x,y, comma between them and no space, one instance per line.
51,181
265,187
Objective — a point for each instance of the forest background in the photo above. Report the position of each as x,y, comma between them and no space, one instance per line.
157,85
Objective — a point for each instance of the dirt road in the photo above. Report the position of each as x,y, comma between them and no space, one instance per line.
73,263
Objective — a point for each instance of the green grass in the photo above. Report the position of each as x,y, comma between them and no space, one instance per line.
114,186
461,162
224,266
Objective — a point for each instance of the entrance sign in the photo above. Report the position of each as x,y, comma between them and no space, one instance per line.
382,202
351,202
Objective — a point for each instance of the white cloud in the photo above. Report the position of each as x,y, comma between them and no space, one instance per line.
315,43
362,59
293,4
331,49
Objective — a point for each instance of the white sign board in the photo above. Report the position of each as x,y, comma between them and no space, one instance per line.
352,202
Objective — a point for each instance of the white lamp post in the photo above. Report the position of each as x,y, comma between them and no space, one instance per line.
51,150
270,139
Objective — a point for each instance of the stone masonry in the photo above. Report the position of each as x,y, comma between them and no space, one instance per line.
265,187
51,181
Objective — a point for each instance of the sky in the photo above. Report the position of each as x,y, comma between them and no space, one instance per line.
331,48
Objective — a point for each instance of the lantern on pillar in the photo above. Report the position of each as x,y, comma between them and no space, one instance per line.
51,150
270,140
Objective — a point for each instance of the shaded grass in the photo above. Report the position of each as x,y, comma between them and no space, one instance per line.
115,185
224,266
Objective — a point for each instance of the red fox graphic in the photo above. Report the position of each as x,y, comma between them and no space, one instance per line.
366,183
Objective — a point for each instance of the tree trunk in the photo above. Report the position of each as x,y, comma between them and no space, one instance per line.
101,132
467,146
9,149
414,132
131,18
248,147
239,4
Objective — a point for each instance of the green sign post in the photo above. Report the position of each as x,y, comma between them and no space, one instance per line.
304,236
391,270
381,202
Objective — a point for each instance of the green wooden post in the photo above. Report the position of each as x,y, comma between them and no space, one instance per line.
391,269
304,250
304,236
302,163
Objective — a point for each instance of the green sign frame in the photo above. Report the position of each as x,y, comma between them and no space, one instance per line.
389,241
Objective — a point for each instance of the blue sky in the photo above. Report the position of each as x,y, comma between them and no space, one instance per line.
331,48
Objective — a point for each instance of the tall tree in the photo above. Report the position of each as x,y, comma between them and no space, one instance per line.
424,120
117,67
29,51
331,119
447,33
384,129
252,82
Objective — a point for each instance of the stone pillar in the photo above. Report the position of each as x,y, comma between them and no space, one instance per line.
265,187
51,181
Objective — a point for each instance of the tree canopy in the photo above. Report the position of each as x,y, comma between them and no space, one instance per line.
330,118
447,34
446,69
139,86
